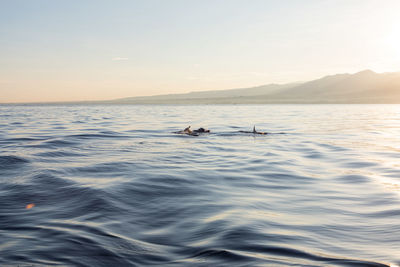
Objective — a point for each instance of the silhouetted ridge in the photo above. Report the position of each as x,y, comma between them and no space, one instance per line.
365,86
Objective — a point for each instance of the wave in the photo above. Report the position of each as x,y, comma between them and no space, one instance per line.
82,188
12,162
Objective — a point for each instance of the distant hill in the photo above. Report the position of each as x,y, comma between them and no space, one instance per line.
362,87
215,94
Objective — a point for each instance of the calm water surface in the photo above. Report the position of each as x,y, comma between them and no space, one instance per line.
112,185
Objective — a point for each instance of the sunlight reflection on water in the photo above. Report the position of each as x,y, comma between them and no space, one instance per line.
115,185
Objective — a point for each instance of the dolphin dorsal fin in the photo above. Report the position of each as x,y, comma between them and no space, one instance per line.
254,129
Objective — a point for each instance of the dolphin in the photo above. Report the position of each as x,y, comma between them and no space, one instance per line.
254,131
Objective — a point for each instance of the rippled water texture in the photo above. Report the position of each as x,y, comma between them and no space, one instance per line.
113,186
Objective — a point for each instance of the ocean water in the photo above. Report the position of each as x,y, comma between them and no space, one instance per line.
114,186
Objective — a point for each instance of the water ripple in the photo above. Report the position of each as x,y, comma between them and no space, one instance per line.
105,185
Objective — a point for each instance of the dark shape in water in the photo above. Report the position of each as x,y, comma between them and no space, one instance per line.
254,131
188,131
201,130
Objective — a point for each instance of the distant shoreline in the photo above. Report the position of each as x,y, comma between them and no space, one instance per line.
364,87
180,104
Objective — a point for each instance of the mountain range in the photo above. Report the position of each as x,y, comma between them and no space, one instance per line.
361,87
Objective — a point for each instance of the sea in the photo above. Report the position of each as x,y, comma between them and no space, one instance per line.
115,185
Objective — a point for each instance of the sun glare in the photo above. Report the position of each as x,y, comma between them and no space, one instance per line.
392,43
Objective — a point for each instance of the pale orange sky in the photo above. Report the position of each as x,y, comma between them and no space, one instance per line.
69,51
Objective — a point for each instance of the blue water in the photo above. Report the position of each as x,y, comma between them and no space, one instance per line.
114,186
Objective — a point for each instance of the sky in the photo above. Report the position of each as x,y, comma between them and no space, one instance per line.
69,50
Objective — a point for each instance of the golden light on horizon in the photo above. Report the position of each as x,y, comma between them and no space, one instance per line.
117,57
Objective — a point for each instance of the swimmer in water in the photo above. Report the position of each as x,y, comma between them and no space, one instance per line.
188,131
201,130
